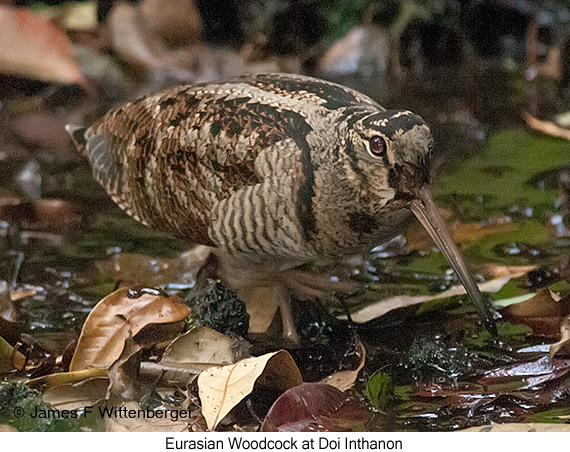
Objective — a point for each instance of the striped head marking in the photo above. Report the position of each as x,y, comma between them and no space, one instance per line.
390,150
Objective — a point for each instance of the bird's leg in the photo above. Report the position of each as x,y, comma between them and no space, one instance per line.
262,302
289,329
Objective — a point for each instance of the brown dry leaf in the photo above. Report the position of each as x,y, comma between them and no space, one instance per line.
173,375
10,358
108,325
123,373
260,305
344,379
510,271
199,349
42,129
140,424
31,46
73,396
563,345
67,378
222,388
381,307
543,304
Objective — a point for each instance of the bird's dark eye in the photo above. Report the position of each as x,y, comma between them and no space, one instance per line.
377,145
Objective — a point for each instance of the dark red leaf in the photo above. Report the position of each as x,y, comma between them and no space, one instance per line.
529,373
315,407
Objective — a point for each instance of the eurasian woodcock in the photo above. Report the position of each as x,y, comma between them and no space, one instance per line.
271,171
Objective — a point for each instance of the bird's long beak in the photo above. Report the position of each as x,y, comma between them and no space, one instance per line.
425,210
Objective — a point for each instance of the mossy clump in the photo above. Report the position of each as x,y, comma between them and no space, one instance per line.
24,409
219,308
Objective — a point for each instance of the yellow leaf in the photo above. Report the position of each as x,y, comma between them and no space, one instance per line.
141,424
200,349
10,358
73,396
107,327
222,388
67,378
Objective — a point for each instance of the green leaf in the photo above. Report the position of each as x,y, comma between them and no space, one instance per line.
556,416
380,389
515,333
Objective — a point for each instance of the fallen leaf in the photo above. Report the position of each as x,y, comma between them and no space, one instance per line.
140,423
174,375
32,47
73,396
10,358
345,379
67,378
526,374
222,388
511,271
543,312
381,307
199,349
261,306
123,373
315,407
562,347
543,304
462,395
126,310
380,389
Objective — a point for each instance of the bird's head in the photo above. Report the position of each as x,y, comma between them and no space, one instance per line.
390,154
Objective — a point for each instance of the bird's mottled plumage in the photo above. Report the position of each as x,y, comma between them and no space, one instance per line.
270,170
